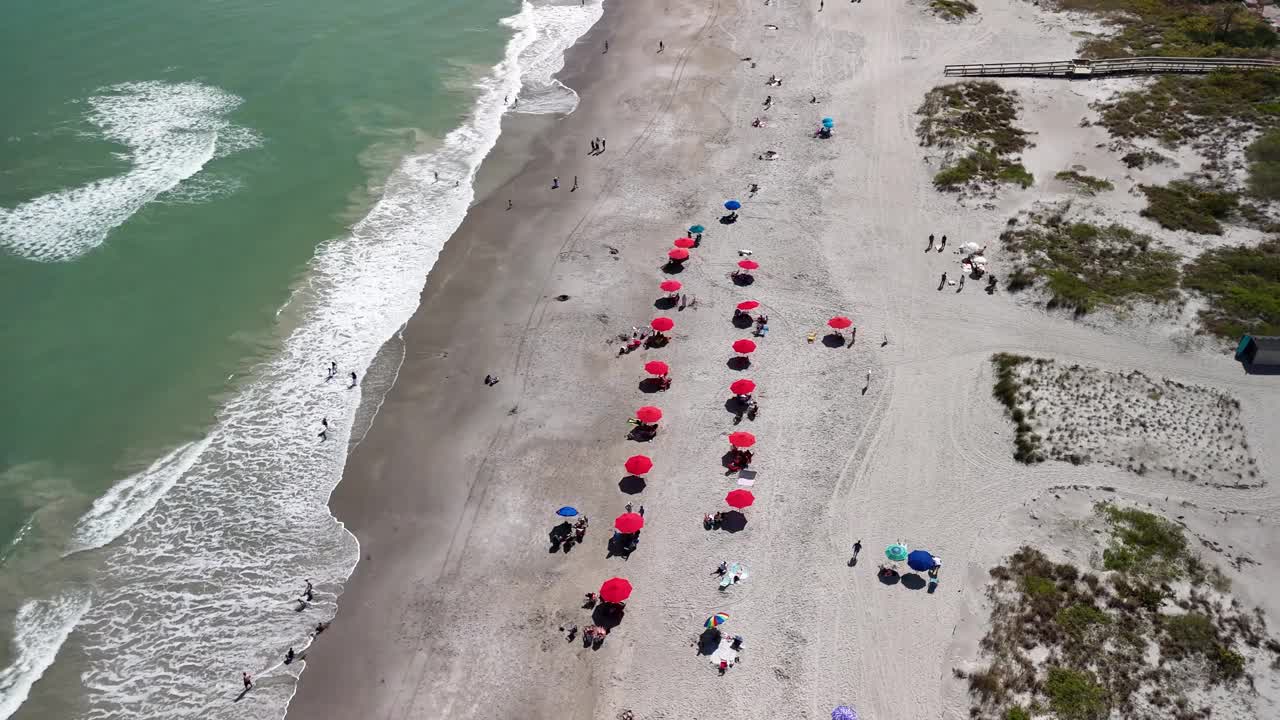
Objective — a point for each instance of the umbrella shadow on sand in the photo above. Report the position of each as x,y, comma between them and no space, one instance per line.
738,362
743,321
833,340
890,579
729,219
666,303
608,615
651,385
733,521
709,641
743,279
912,581
736,405
632,485
673,268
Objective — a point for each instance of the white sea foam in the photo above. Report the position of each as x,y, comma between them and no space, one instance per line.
128,500
169,132
38,632
202,586
557,28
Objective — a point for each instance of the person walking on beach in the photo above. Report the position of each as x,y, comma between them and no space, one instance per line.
353,380
333,370
509,204
944,243
324,429
248,681
930,243
309,593
943,281
436,173
594,147
603,143
661,47
575,184
641,511
961,283
555,183
821,4
289,656
606,46
857,548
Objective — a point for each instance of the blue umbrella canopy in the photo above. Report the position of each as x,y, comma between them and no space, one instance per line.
696,229
567,511
828,122
920,560
732,205
844,712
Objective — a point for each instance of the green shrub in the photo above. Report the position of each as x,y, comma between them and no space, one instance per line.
1078,619
953,9
1176,109
975,117
1086,184
1264,166
1037,586
1242,286
1182,205
1144,545
1074,695
1017,712
1087,266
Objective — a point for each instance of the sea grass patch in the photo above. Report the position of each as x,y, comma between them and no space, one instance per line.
972,123
1145,425
1079,642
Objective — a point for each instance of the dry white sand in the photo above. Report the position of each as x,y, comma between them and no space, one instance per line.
839,227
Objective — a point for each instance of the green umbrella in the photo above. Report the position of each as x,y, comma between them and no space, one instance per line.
896,552
697,229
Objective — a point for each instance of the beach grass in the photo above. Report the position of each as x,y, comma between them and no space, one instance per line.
1007,388
953,9
1176,109
1264,166
1185,205
1176,29
974,123
1083,645
1084,266
1242,287
1084,184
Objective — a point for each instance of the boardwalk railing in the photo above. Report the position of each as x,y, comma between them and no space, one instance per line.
1108,67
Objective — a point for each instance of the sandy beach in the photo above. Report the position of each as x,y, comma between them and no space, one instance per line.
455,608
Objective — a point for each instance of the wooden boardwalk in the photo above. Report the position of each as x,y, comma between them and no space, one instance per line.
1109,67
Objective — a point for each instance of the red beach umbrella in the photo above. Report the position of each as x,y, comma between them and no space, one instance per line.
748,305
638,464
743,346
742,439
678,254
670,285
684,242
615,590
748,264
739,498
656,367
840,322
742,387
649,414
628,523
662,324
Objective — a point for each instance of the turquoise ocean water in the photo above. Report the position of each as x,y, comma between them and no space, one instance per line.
201,205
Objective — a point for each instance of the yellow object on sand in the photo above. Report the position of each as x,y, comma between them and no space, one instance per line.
813,336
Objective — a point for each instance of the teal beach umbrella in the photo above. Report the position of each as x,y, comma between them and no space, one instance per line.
896,552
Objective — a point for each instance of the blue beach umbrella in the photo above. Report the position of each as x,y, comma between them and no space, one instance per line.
732,205
920,560
844,712
567,511
696,229
828,123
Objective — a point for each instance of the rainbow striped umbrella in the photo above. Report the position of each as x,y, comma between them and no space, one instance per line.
716,620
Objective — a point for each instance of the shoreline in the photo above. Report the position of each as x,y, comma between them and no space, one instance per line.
462,276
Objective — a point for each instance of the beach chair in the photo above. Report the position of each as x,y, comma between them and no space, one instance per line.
813,336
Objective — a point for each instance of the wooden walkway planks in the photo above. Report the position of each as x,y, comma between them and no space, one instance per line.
1108,67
